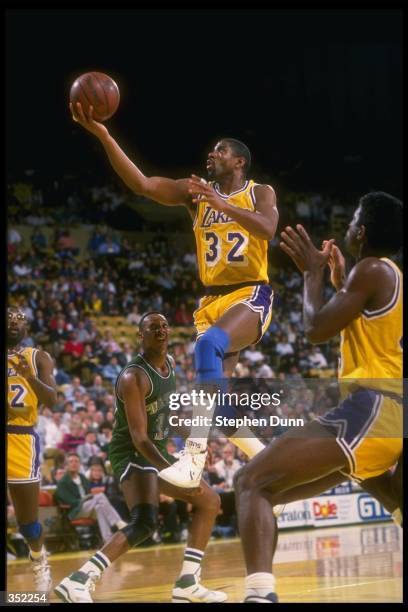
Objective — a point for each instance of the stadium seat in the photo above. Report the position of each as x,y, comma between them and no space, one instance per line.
80,533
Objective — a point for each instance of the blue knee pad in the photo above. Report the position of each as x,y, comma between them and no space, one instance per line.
209,354
31,531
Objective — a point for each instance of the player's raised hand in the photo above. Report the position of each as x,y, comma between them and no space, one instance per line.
300,248
22,367
337,264
87,121
201,190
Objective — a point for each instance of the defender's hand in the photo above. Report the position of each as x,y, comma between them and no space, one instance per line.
301,250
201,190
87,121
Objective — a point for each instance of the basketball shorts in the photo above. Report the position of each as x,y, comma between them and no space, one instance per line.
23,454
124,461
368,429
258,298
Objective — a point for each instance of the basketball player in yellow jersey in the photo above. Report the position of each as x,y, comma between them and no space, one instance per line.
362,437
30,383
233,220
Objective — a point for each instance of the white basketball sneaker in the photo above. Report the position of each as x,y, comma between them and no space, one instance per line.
77,587
189,590
42,573
187,471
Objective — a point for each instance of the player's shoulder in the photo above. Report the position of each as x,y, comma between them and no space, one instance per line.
42,357
260,189
370,271
171,360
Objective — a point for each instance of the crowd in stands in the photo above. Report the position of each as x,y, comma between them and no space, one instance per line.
65,292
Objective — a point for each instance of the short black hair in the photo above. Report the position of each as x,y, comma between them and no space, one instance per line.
240,149
147,314
382,216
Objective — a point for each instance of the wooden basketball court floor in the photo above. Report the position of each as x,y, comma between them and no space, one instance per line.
344,564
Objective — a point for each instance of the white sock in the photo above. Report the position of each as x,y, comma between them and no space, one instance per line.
192,561
36,555
261,583
198,439
246,441
97,564
121,524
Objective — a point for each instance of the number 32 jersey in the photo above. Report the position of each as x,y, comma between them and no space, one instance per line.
227,253
22,401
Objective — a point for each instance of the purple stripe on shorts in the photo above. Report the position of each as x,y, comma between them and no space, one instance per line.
36,458
262,300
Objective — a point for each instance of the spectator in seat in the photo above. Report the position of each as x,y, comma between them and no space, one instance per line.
55,430
74,490
97,391
89,448
316,358
73,346
284,347
134,316
108,247
112,370
228,466
73,439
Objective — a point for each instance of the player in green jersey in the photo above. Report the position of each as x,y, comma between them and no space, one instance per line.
137,453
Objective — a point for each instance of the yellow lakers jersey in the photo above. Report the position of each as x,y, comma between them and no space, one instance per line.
371,345
22,401
227,253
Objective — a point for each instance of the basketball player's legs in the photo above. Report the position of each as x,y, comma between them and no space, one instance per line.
140,490
206,506
25,499
238,327
380,487
141,493
259,485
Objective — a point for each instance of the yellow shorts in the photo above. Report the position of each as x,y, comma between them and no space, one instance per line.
368,428
258,298
23,456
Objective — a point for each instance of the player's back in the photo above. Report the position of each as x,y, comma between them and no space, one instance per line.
22,401
228,254
371,345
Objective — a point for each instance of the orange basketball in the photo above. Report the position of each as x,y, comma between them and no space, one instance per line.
98,90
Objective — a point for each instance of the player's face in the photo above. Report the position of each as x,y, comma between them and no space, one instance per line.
155,333
352,240
220,160
16,327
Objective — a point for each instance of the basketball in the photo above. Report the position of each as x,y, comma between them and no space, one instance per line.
98,90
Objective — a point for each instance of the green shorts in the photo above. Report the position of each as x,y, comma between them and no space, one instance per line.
124,461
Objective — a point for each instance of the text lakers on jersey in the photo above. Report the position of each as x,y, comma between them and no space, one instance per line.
227,253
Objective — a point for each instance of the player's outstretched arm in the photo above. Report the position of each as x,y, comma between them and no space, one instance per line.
163,190
133,388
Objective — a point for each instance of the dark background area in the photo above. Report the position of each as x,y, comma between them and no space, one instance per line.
316,94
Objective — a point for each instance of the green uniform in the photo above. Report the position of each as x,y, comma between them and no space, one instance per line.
122,454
